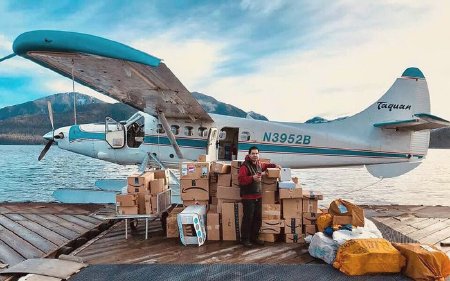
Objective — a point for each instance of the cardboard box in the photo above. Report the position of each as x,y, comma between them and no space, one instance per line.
162,174
144,204
285,174
232,193
154,200
172,227
291,193
213,177
234,180
231,221
310,205
269,197
191,225
126,200
140,179
271,226
213,208
138,189
293,225
292,208
342,220
194,189
309,229
267,237
296,180
220,203
237,163
234,171
194,170
187,203
213,226
273,172
220,168
310,218
129,210
157,186
271,211
312,195
203,158
224,180
294,238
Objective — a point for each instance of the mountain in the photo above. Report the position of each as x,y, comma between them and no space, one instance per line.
26,123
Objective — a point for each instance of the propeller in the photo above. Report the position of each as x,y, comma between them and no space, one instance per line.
51,139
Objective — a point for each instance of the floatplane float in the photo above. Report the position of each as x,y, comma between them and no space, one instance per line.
390,137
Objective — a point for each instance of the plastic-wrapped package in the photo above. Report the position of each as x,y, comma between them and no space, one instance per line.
323,247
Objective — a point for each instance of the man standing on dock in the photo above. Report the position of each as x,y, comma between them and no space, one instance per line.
249,178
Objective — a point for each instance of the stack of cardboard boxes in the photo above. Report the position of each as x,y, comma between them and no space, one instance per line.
142,190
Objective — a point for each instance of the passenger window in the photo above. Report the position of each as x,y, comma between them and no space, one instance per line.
202,131
245,136
188,131
160,129
175,129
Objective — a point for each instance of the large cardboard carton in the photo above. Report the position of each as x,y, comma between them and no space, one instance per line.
187,203
271,211
224,180
292,225
237,163
220,203
162,174
231,193
213,226
194,170
292,208
268,197
291,193
310,205
157,186
220,168
213,177
267,237
235,180
231,221
144,204
294,238
203,158
312,195
310,218
126,200
197,189
309,229
234,171
140,179
154,200
342,220
138,189
172,227
273,172
271,226
129,210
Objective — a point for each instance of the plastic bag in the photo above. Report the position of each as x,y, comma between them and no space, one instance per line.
323,247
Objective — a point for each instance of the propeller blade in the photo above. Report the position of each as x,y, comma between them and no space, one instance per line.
50,113
46,148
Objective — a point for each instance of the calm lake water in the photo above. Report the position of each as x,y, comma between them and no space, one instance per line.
23,178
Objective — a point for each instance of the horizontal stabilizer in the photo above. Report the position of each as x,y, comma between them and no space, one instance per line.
391,170
420,121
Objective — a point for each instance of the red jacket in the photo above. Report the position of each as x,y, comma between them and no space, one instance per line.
245,178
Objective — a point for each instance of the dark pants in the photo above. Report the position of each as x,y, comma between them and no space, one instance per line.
251,222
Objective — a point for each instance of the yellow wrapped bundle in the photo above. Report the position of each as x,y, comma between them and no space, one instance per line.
363,256
323,221
424,262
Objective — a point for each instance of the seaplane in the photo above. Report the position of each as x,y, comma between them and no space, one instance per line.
390,137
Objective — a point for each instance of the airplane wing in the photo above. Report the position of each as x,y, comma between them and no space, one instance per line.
113,69
420,121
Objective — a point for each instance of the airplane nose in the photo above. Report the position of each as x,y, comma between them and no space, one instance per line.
48,136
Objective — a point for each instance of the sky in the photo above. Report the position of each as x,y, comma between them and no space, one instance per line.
288,60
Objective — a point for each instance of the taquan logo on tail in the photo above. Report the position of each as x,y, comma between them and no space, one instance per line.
390,106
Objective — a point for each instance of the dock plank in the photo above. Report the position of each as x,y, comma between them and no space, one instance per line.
77,228
23,247
427,231
28,235
437,236
90,219
8,255
78,221
48,234
65,232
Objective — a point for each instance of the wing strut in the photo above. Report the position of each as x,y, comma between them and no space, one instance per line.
173,141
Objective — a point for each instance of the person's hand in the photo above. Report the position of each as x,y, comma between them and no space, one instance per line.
257,177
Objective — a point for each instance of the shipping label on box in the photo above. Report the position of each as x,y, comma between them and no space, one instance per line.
273,172
292,208
309,229
310,218
157,186
271,226
213,226
271,211
220,168
291,193
294,238
126,200
129,210
194,189
232,193
310,205
144,189
293,225
312,195
342,220
138,179
231,221
194,170
224,180
269,197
